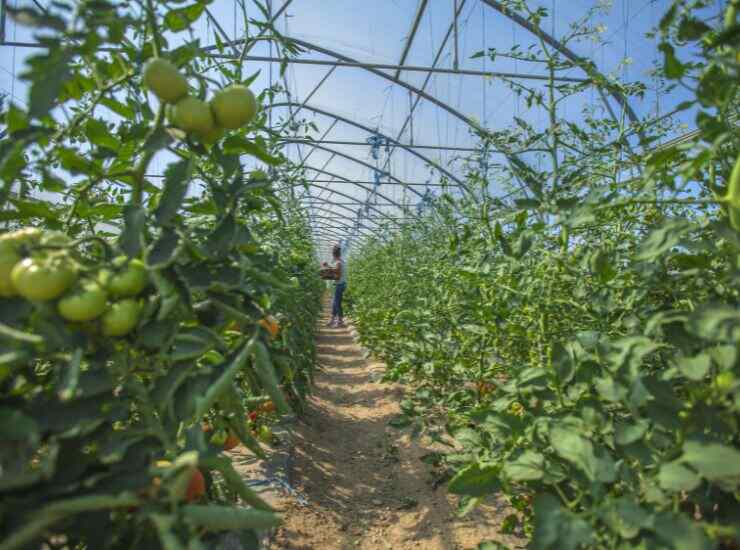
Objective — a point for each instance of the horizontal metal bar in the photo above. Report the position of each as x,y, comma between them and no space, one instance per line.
322,217
385,183
318,200
26,44
412,68
337,63
365,144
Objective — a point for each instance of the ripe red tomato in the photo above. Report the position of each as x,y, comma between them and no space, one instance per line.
196,487
231,441
271,325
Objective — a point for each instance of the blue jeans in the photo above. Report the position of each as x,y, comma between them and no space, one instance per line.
336,305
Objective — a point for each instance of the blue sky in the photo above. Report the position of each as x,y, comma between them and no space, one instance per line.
375,32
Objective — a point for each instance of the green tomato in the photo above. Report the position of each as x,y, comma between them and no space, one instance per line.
249,248
85,304
725,380
193,115
265,434
25,236
8,258
165,80
121,318
129,281
43,279
733,196
234,106
258,175
213,357
212,137
730,16
54,238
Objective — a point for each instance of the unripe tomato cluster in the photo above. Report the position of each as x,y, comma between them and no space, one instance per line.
36,265
231,108
260,430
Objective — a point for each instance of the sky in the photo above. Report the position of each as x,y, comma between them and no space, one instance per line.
375,32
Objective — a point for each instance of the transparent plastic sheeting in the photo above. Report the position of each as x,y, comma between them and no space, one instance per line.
386,139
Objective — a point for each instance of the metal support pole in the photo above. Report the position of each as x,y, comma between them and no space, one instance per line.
269,18
455,60
315,89
3,14
411,118
312,151
221,31
414,27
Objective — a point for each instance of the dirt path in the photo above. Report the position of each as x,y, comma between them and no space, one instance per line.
363,483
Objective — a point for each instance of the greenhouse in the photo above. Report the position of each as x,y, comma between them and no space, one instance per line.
445,274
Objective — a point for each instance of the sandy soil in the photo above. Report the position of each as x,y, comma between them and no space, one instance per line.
363,483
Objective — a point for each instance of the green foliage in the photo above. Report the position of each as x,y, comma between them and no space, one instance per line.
578,347
84,417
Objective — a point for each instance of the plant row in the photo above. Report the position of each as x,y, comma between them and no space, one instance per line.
158,296
576,349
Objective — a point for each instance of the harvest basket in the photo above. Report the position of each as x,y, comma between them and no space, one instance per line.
327,273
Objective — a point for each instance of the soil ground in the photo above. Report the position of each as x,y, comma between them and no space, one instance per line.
361,482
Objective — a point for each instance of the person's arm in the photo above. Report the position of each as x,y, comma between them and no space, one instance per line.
338,270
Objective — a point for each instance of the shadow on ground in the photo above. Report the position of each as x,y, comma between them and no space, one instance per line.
364,481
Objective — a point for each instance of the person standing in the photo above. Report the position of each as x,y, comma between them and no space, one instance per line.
340,284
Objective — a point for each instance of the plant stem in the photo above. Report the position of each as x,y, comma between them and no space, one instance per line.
137,193
150,15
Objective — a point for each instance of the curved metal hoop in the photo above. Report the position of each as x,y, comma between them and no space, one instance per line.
337,205
347,180
361,126
361,162
335,233
344,218
336,55
567,52
350,197
348,231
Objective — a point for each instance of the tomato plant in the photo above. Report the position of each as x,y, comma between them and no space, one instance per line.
576,344
120,289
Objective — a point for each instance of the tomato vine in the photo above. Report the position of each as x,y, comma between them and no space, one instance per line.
575,345
135,309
